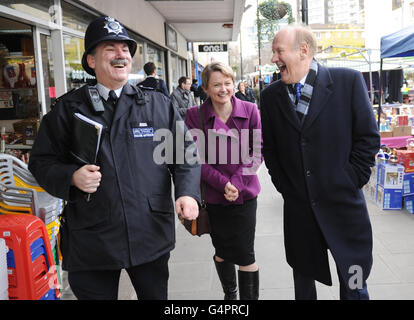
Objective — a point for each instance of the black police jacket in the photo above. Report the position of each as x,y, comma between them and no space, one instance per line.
130,218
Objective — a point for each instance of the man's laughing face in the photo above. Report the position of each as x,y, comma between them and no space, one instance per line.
288,57
112,63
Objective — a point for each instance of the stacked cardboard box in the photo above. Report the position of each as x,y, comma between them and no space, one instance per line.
390,185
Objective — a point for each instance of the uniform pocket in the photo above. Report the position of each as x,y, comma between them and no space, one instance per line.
161,204
83,214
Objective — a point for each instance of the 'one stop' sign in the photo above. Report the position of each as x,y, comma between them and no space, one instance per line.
212,47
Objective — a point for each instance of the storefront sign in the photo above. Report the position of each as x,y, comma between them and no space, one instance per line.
212,48
170,38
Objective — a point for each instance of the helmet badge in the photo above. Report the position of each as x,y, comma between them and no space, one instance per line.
113,26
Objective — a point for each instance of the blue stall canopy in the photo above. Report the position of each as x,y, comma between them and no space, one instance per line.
398,44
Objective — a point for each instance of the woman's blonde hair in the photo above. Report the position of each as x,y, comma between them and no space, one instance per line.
212,67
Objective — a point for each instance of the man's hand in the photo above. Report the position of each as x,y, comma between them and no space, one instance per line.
87,178
230,192
186,207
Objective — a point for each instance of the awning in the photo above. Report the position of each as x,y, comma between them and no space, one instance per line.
398,44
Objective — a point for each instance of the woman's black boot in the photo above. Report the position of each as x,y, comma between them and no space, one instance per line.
227,275
249,285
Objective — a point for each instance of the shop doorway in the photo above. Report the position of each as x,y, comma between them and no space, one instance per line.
46,85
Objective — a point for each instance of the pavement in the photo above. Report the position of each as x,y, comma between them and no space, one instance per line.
193,275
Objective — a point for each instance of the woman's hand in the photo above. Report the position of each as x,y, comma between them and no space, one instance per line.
230,192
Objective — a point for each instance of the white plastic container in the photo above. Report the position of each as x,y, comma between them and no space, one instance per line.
4,283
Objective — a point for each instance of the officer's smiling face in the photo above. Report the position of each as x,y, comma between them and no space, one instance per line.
112,63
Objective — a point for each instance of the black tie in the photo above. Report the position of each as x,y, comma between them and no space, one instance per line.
113,98
110,107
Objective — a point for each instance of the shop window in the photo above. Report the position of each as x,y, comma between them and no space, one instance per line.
183,64
174,71
155,55
75,18
137,72
18,88
47,65
43,9
76,76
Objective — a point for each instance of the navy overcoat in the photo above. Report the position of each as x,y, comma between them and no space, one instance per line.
319,167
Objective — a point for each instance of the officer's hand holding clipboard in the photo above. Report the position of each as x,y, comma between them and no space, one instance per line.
84,149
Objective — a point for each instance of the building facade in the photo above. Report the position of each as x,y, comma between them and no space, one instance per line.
41,47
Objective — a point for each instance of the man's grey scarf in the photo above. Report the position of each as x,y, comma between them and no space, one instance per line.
306,93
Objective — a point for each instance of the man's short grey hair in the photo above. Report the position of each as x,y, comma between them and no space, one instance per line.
304,33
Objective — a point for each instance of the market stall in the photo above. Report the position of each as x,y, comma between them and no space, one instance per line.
391,185
395,45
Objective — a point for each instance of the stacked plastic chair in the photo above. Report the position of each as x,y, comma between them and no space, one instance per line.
21,194
30,264
4,282
22,199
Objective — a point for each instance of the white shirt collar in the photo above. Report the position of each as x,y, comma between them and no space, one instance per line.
104,91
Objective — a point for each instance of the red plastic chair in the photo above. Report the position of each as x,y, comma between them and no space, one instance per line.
30,259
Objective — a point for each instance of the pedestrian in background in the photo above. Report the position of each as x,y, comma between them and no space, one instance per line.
152,81
241,93
128,221
182,98
249,92
194,90
231,188
201,93
319,142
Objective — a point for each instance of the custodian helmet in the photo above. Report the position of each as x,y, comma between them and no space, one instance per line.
104,29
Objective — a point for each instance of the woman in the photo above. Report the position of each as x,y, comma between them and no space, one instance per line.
241,94
231,185
182,98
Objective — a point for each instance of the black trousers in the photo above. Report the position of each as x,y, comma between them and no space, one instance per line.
305,289
150,281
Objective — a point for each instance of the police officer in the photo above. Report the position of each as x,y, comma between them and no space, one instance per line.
128,222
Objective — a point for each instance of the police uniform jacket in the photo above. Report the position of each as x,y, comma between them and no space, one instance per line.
319,167
130,218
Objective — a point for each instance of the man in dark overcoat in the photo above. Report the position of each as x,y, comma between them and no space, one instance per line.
151,81
119,212
319,142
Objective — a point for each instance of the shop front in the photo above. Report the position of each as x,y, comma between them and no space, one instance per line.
41,48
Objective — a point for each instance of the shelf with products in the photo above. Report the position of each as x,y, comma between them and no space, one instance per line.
397,119
19,72
18,91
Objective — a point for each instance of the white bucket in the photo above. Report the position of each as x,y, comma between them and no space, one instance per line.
4,283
